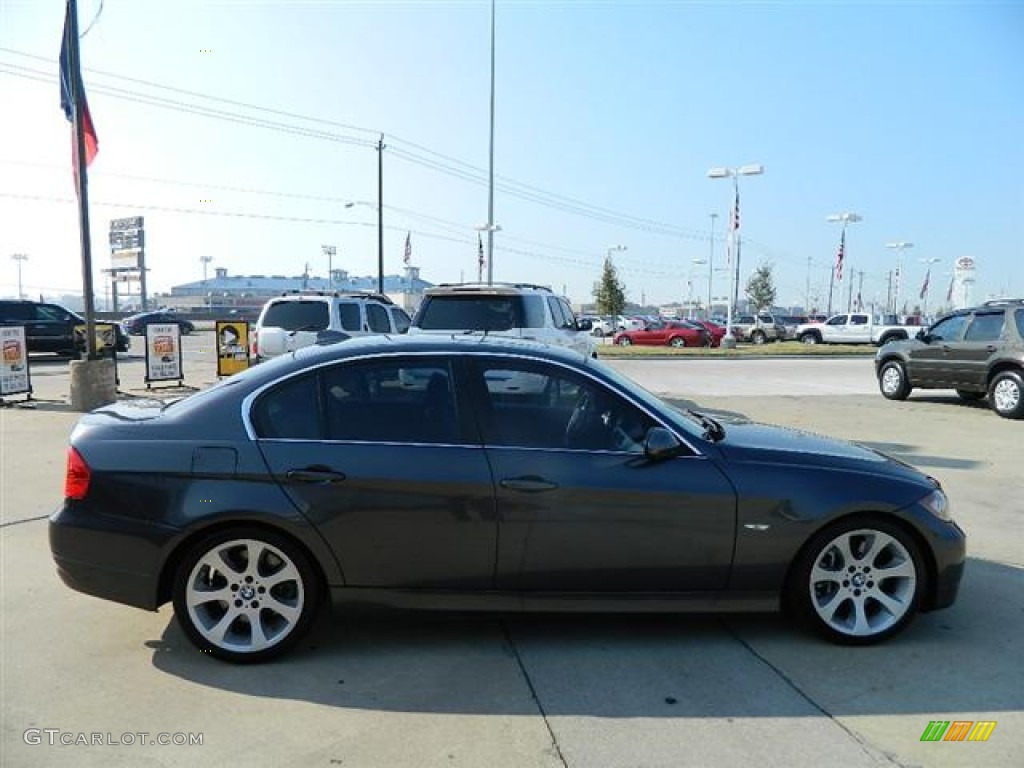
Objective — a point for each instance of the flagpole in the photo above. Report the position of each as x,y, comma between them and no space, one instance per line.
71,30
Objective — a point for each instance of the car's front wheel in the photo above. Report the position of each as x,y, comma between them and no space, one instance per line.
245,594
892,381
623,341
1005,394
758,337
859,581
809,338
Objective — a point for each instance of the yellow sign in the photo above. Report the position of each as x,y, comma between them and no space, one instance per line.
232,346
106,336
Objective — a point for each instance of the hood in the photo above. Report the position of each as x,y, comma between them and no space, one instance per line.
746,442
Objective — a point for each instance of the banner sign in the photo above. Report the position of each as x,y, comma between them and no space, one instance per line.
163,352
14,378
106,336
232,346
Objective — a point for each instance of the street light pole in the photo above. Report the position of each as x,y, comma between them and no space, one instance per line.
689,286
729,340
845,218
899,247
20,258
711,262
329,251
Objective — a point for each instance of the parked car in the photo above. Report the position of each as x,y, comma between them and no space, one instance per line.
246,507
853,328
298,319
716,331
673,334
791,323
518,310
53,328
600,326
977,351
135,325
758,329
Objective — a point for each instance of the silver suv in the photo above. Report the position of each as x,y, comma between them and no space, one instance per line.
759,329
299,319
521,310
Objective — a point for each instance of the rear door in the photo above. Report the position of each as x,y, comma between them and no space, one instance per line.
381,457
985,337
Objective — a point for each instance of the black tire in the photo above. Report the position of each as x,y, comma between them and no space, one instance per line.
855,602
623,341
758,337
809,338
892,381
677,342
1006,394
970,395
598,332
284,607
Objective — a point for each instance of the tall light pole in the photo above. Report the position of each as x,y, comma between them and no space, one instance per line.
20,258
206,262
841,259
899,246
329,251
689,286
490,173
379,208
711,262
729,340
926,286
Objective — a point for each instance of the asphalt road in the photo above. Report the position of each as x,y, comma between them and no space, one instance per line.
494,691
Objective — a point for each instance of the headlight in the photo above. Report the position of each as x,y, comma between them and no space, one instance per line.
937,503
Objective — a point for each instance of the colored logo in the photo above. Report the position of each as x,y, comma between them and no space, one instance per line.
958,730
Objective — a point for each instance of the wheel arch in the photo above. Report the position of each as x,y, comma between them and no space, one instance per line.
1002,367
931,568
892,336
165,584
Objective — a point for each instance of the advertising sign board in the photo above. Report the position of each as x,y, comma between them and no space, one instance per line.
14,377
163,352
232,346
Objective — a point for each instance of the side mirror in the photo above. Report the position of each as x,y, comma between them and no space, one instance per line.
584,325
660,444
922,335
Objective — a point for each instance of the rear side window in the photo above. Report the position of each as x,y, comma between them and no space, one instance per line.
289,411
1019,317
350,316
297,315
535,312
474,313
400,319
16,313
949,329
985,327
377,318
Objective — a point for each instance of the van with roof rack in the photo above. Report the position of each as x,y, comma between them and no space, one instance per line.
297,319
521,310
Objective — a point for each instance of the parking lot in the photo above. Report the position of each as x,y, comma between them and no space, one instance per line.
417,690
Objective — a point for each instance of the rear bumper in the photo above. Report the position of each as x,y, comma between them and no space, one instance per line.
112,558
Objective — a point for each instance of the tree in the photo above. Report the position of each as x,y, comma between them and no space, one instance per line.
609,294
761,289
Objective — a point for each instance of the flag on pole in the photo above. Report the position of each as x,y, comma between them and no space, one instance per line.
480,257
67,100
949,293
408,247
840,256
924,286
734,224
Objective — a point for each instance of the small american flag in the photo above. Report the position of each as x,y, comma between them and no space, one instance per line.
949,293
840,256
408,247
734,215
480,257
924,286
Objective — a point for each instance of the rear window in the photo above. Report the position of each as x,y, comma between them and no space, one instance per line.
297,315
351,319
471,313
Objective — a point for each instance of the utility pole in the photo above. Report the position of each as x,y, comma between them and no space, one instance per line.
711,263
329,251
380,214
20,258
807,287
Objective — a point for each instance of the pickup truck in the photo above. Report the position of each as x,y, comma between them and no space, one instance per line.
857,328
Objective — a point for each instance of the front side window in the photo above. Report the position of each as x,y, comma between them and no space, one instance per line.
48,313
837,320
400,319
377,318
986,326
399,401
297,315
948,329
534,405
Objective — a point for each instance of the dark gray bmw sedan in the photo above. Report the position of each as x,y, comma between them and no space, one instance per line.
473,473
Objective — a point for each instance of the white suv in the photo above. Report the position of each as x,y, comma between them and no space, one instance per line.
296,320
521,310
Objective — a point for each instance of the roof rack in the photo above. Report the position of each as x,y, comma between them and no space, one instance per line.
475,286
340,294
1002,302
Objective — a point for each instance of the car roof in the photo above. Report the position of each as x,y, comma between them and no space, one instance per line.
508,289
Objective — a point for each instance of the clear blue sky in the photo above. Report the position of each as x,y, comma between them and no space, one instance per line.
910,114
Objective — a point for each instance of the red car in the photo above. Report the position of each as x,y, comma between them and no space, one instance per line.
672,334
717,331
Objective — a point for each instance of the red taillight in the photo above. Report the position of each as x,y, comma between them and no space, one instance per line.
253,353
76,480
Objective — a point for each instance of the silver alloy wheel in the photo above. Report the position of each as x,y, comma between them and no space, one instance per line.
892,380
1006,395
863,582
244,595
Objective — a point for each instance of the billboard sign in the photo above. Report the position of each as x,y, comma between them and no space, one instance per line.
232,346
14,378
127,243
163,352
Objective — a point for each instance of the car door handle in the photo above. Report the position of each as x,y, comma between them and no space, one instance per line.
315,476
991,348
528,484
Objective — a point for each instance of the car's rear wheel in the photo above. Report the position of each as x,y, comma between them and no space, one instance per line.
623,341
758,337
970,395
892,381
598,332
1006,395
677,341
859,581
809,338
245,594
